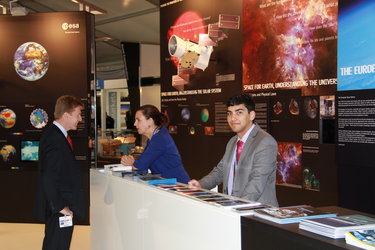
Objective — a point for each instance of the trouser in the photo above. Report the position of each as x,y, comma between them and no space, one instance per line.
56,238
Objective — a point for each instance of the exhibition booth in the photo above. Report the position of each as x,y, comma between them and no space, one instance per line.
312,95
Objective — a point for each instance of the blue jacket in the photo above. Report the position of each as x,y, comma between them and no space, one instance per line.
161,156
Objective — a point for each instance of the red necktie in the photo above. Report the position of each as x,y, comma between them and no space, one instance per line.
238,153
70,141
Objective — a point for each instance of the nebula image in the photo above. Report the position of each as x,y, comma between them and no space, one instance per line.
208,130
310,181
289,164
289,42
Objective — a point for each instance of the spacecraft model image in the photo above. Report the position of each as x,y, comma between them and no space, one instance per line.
192,56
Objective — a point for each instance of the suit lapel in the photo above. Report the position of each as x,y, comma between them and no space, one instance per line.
231,155
62,136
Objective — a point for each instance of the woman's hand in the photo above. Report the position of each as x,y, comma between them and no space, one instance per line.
127,160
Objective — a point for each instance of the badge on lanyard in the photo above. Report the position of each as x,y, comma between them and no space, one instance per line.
66,221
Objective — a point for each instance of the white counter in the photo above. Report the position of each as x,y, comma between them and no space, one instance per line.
129,215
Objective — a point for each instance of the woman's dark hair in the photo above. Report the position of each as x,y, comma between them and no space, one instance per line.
150,111
244,99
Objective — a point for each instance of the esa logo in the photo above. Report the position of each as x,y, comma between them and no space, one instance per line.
70,26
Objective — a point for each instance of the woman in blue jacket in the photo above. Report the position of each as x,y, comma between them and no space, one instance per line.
160,155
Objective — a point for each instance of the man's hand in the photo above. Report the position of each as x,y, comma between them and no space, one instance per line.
194,184
67,211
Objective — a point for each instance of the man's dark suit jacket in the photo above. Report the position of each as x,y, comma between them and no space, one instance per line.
59,182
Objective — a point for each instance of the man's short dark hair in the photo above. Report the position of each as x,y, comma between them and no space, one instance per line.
244,99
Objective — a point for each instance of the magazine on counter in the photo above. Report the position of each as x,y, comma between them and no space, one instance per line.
337,227
249,210
233,203
364,239
293,214
155,179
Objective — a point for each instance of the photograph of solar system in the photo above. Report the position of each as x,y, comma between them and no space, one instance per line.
356,66
287,44
289,164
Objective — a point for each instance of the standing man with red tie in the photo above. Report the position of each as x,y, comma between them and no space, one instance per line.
248,167
60,195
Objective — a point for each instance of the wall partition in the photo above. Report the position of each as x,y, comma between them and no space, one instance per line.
43,56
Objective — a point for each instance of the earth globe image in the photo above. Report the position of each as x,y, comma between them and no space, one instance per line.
185,114
7,118
7,151
31,61
39,118
205,115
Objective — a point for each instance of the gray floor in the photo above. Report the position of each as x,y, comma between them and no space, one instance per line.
25,236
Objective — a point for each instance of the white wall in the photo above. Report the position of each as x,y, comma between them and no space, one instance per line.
150,95
150,60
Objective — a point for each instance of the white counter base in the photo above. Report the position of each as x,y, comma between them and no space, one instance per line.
128,215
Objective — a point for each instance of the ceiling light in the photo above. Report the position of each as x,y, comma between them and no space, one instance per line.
89,7
4,9
103,39
18,10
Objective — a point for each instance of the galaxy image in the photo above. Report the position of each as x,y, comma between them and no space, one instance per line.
289,164
287,43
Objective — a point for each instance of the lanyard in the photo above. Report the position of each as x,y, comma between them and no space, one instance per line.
155,132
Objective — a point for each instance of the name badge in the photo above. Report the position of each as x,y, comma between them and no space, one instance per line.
66,221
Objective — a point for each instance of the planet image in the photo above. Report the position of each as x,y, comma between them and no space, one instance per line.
7,151
185,114
205,115
31,61
7,118
39,118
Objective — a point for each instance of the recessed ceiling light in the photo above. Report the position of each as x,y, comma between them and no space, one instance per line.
103,39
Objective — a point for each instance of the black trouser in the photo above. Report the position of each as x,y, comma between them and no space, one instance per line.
56,238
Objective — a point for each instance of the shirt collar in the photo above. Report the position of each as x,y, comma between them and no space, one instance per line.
63,130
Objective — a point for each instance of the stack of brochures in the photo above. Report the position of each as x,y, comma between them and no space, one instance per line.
132,174
155,179
338,226
216,199
249,210
293,214
363,239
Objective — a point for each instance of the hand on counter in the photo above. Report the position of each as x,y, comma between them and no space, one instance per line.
128,160
194,184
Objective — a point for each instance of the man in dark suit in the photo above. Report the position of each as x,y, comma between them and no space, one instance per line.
248,167
59,185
